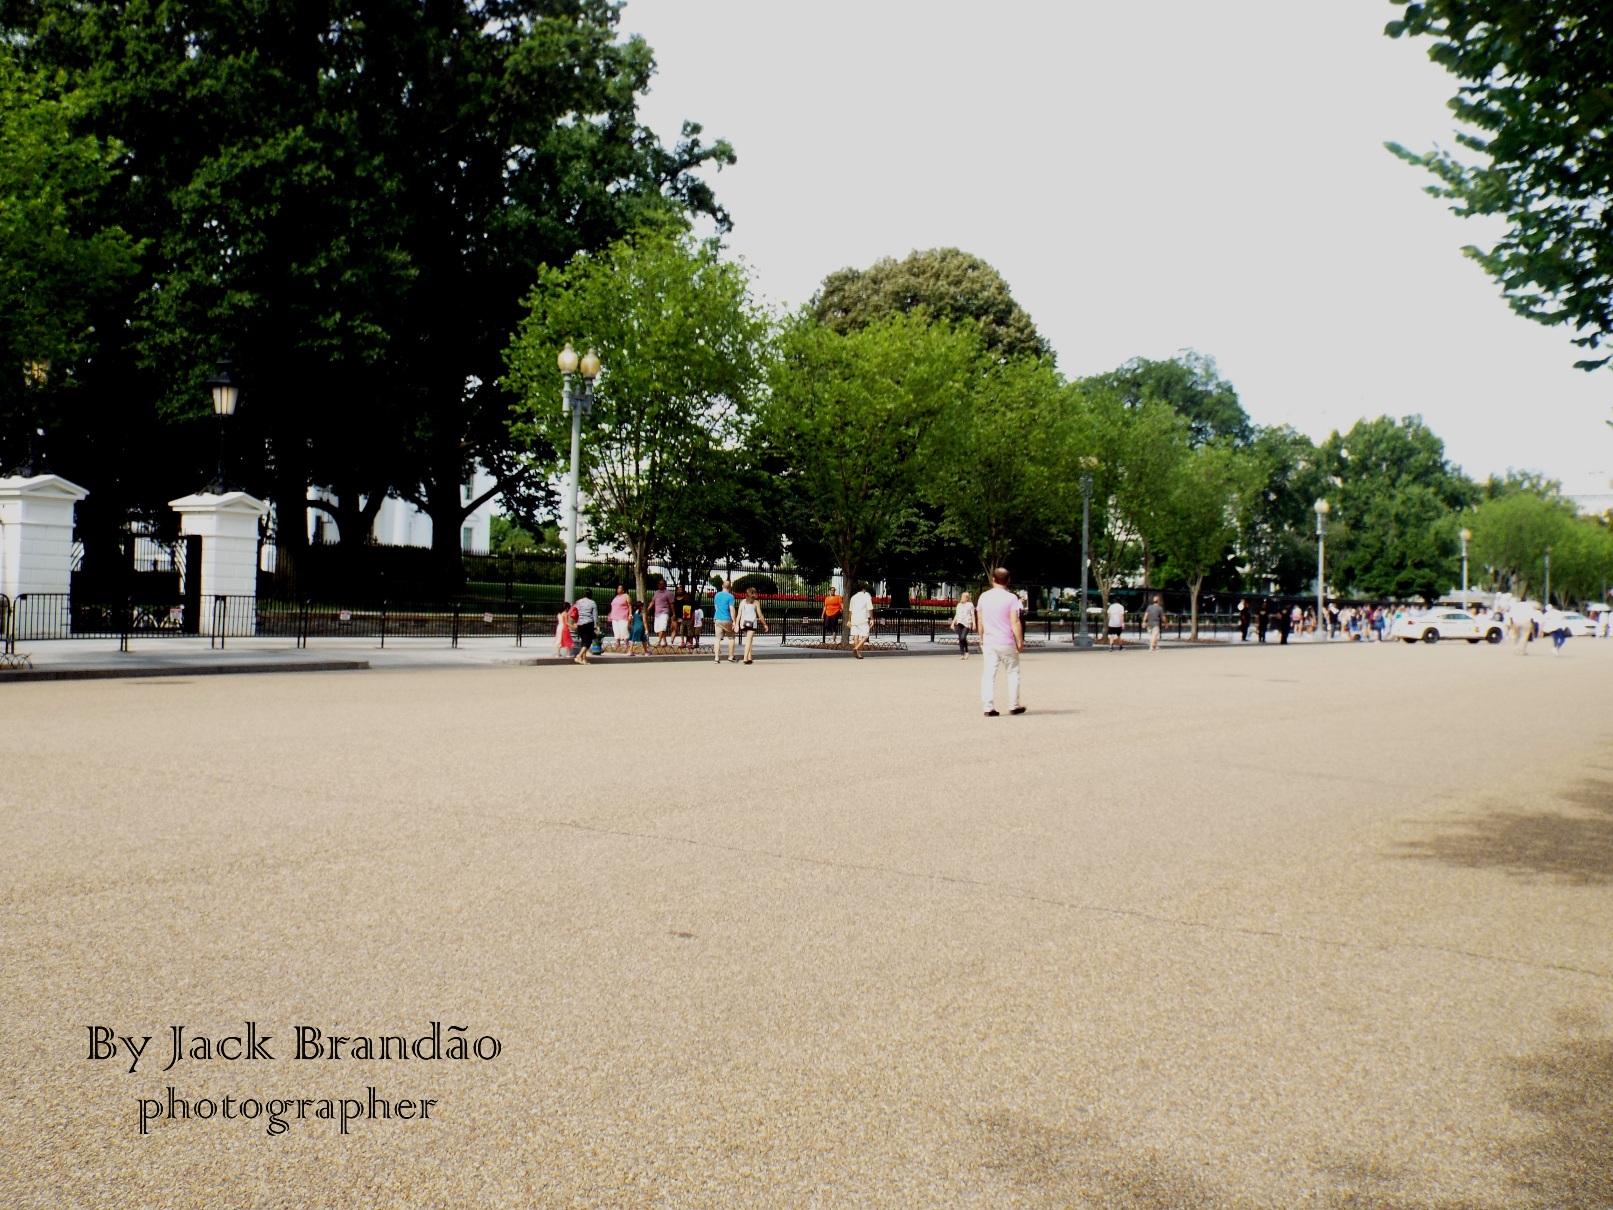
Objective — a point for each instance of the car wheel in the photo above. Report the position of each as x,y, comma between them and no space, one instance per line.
1492,636
1430,635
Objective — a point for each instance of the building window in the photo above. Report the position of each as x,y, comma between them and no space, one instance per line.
467,538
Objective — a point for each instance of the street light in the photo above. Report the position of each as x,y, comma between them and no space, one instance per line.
1545,597
1466,535
225,393
1322,509
579,402
1083,639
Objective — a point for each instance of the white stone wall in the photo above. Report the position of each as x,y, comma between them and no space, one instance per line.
36,534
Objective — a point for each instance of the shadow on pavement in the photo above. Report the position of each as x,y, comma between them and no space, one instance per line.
1574,845
1568,1093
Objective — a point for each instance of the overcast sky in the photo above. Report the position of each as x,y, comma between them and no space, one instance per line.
1148,177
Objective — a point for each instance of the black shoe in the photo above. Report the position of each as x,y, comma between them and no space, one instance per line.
1017,710
991,714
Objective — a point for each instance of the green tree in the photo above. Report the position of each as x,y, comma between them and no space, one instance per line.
684,349
1190,383
1513,530
944,284
1535,104
848,420
1276,518
991,468
58,261
1395,500
1198,521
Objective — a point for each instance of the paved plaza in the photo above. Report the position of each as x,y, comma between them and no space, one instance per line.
1316,926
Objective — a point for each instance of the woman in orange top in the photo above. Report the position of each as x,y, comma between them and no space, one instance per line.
832,605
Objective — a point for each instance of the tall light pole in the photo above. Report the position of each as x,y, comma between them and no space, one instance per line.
1545,597
225,394
1322,509
1466,535
1084,639
579,403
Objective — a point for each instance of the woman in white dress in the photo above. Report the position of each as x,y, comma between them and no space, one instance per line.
963,624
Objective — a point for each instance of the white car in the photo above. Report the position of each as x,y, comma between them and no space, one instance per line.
1580,626
1435,624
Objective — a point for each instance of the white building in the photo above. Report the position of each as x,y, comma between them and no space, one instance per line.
399,523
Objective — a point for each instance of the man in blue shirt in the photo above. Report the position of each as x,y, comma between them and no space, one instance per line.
723,615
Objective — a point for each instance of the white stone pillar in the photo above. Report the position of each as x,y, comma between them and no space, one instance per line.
228,527
36,534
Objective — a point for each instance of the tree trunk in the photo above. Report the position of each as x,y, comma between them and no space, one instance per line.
446,512
1198,583
641,565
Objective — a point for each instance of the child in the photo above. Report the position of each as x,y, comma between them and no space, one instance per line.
562,631
695,626
636,637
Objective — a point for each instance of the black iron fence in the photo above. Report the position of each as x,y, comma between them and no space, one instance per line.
37,616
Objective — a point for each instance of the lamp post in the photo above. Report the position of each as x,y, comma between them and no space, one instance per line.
1322,509
1084,639
225,394
579,401
1545,597
1466,535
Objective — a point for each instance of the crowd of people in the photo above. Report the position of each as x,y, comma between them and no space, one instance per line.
672,620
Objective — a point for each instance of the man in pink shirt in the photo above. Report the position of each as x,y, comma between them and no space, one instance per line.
1002,638
621,615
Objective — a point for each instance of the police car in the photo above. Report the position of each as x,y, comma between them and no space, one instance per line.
1433,625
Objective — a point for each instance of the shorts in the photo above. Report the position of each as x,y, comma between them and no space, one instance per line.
660,623
747,627
1116,630
618,628
859,632
585,634
724,629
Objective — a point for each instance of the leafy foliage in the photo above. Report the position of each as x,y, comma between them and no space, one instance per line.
1535,102
1192,384
944,284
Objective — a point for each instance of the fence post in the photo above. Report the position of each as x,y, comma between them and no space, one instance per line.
8,627
220,619
454,642
520,614
125,620
784,636
302,625
383,623
898,630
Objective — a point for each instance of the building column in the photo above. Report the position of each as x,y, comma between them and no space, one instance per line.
228,527
36,535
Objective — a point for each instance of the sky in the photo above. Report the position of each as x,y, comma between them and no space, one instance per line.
1148,178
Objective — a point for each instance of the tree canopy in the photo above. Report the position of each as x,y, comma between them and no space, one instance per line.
1536,107
943,283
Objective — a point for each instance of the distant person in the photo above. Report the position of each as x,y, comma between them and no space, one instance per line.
1284,622
1154,621
1243,620
586,614
562,631
637,636
1117,625
722,614
1604,621
685,614
963,624
833,606
1521,621
750,617
1555,624
1002,638
661,612
1333,619
697,626
861,609
621,616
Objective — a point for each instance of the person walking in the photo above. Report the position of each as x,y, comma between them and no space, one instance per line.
1284,621
833,606
750,617
1154,620
861,609
1521,621
963,624
1243,620
637,636
562,631
722,616
1555,623
1117,625
1262,621
621,616
1002,639
661,613
586,614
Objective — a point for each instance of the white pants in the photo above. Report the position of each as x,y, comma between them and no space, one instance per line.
618,628
1008,657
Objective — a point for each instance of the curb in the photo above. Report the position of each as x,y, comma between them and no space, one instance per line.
150,670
